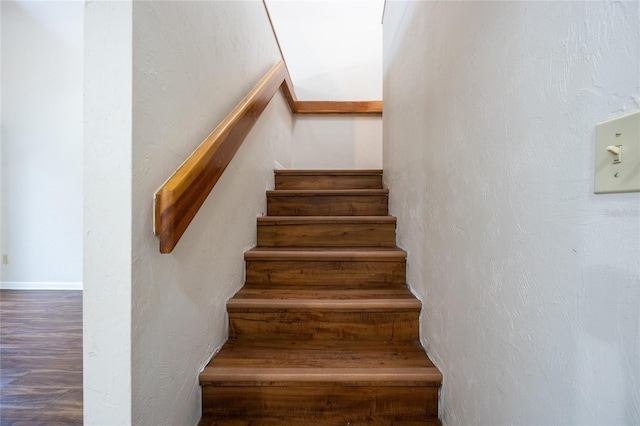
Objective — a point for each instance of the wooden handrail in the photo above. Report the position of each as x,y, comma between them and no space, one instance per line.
180,198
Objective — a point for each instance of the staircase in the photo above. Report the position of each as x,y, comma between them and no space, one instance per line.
325,331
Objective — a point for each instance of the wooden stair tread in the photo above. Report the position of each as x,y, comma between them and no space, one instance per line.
264,297
300,172
333,305
371,305
320,353
324,253
325,192
408,376
323,286
321,362
324,293
296,220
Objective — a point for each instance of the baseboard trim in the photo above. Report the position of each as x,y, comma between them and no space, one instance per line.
39,285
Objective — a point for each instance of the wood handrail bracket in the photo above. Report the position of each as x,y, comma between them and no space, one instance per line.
180,198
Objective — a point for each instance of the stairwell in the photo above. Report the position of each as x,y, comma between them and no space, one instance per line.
325,330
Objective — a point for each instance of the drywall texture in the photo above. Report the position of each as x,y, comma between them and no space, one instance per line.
2,166
530,282
192,63
337,142
42,143
107,214
333,52
333,49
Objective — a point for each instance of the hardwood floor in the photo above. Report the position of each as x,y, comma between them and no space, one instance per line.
40,358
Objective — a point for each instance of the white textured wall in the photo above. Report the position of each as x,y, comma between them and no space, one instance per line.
337,142
333,51
2,166
42,143
2,228
530,282
192,63
107,214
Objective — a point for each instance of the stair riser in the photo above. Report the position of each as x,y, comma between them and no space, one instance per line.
329,182
322,325
327,235
327,205
309,404
338,273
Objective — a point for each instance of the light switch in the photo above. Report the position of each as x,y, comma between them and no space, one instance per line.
618,155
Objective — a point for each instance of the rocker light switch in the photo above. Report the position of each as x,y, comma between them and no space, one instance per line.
618,155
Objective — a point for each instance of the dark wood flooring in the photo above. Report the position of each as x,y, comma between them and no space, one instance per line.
40,358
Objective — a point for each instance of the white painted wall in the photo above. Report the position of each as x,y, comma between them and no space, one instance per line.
333,51
2,204
337,142
107,213
42,143
530,282
192,63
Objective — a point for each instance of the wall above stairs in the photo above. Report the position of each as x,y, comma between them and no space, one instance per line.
335,142
333,51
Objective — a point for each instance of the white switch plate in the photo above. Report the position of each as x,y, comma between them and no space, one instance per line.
625,175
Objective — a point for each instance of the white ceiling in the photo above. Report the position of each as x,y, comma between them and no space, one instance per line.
333,49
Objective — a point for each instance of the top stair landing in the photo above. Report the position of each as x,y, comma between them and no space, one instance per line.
327,179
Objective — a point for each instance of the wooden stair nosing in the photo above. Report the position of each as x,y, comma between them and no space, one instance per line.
299,172
320,353
291,291
390,254
413,376
372,286
325,192
331,305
